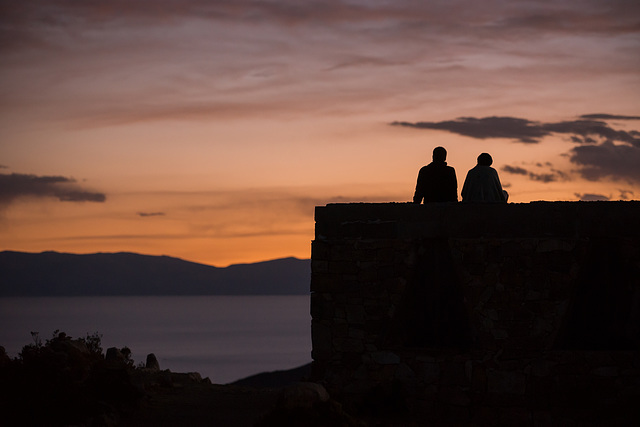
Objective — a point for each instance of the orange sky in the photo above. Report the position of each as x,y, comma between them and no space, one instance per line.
209,130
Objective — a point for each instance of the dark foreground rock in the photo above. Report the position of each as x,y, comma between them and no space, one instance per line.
188,400
67,381
185,399
276,378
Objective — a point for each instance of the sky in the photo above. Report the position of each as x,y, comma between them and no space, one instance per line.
209,130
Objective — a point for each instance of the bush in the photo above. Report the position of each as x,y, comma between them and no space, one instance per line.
64,381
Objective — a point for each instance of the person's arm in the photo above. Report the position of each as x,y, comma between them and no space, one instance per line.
418,195
464,194
454,186
499,187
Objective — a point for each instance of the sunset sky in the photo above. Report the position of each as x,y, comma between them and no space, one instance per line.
208,130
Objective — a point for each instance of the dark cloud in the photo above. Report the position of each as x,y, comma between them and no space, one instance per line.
521,130
603,152
608,117
608,160
626,194
146,214
584,130
552,176
515,170
588,197
543,177
527,131
15,185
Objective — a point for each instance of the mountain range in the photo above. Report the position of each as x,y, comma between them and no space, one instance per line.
110,274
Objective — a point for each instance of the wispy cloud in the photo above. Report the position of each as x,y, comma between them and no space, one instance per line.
588,197
153,60
608,117
148,214
553,175
258,212
14,186
516,170
619,16
626,194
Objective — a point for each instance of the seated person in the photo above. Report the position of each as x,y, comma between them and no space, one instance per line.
482,183
436,181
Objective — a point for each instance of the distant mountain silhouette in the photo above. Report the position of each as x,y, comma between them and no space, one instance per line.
102,274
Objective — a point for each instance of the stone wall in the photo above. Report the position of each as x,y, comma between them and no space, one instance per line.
526,313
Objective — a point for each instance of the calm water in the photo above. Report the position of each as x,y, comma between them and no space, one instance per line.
224,338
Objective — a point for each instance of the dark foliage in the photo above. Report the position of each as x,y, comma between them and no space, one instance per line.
65,381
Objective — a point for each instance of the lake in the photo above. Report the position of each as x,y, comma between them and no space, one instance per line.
224,338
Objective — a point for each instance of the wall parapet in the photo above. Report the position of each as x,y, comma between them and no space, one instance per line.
479,310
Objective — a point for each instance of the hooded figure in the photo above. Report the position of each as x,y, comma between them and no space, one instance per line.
482,183
436,181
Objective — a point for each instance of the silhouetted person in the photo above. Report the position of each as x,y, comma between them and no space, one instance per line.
436,181
482,183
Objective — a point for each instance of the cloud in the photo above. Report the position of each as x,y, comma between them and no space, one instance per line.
147,214
582,131
608,160
516,170
527,131
588,197
553,176
543,177
602,151
620,15
48,23
608,117
626,194
14,186
521,130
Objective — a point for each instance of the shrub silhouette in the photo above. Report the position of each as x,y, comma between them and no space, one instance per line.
65,381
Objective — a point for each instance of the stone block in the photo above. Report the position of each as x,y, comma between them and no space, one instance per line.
385,358
319,266
319,250
505,382
453,374
347,345
404,373
321,307
321,340
554,245
429,372
355,332
452,395
356,313
606,371
342,268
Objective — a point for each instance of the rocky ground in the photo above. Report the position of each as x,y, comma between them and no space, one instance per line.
265,400
186,400
70,382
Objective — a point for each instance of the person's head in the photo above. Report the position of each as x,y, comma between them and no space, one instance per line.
485,159
439,154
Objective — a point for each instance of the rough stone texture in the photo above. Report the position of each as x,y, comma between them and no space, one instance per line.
518,313
152,362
